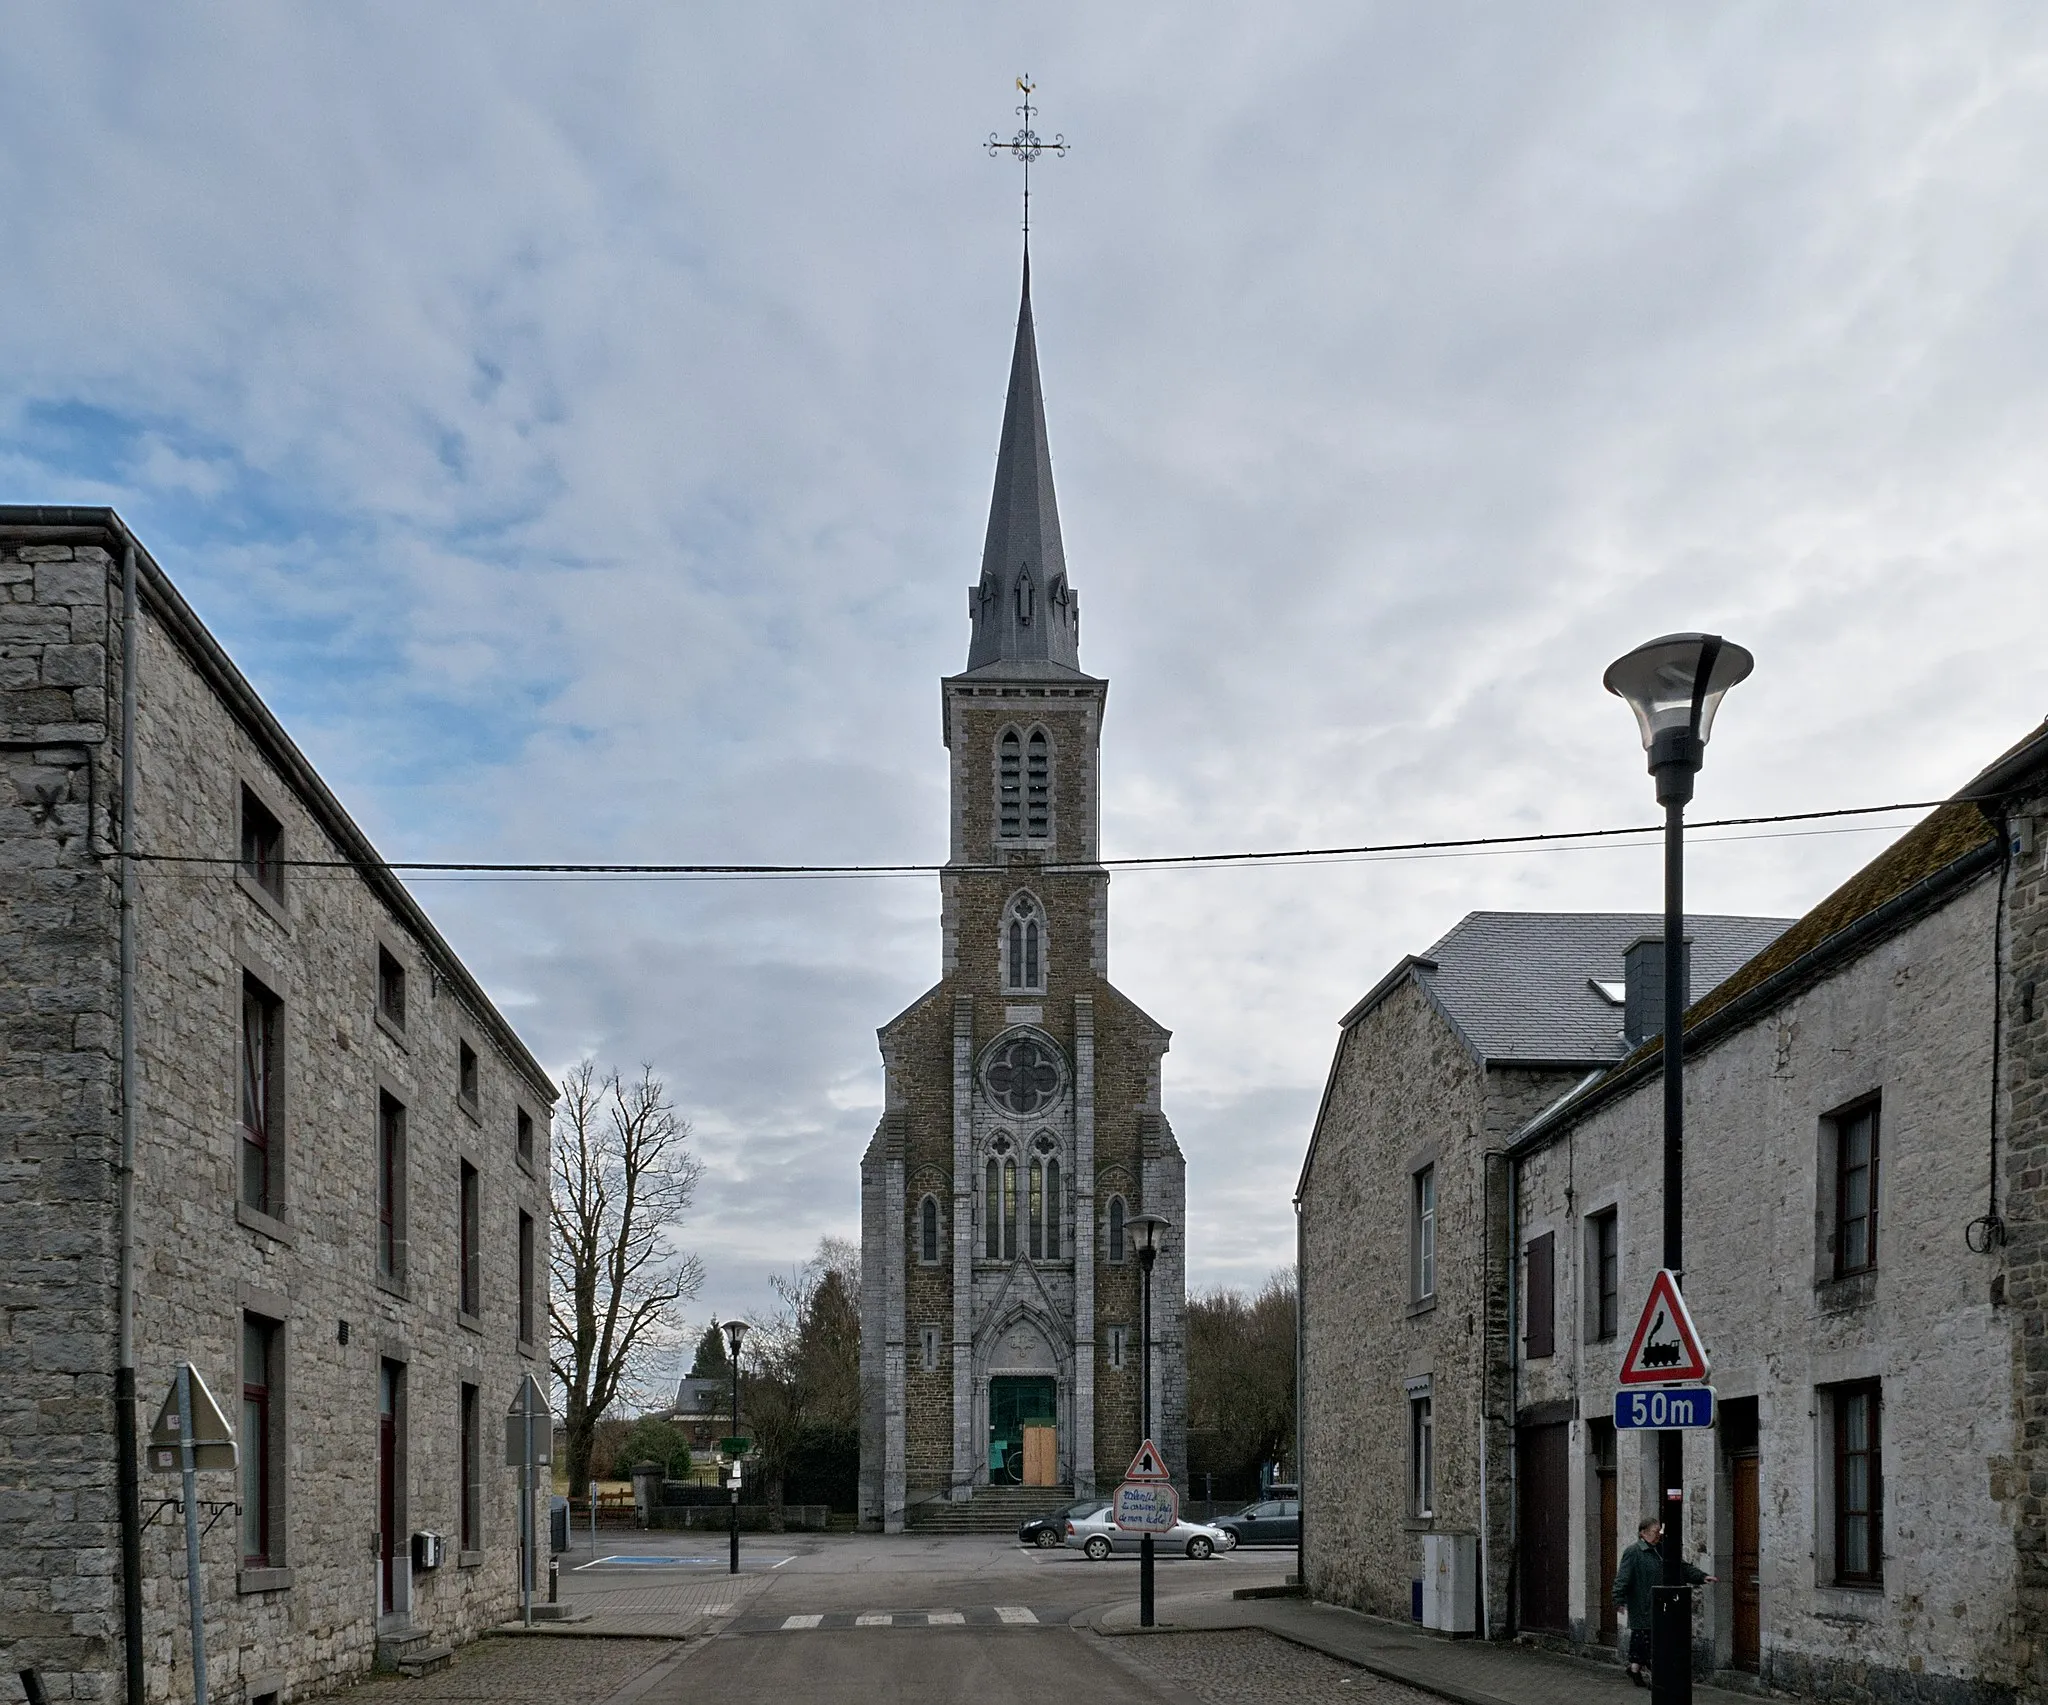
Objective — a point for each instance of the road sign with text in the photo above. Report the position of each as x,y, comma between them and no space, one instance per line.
1665,1407
1147,1506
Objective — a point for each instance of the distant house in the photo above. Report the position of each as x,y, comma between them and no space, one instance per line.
703,1409
1866,1255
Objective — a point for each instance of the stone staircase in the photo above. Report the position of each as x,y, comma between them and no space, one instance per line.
412,1652
993,1509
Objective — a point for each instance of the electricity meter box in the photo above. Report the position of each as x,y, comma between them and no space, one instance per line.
1450,1582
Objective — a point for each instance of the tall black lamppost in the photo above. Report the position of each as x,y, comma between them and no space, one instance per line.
1150,1231
1674,685
734,1331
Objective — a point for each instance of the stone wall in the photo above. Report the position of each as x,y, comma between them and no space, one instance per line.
1910,1020
310,1618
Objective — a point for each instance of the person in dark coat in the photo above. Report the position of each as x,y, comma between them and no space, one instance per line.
1641,1569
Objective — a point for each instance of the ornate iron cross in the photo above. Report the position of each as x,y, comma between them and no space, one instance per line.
1025,147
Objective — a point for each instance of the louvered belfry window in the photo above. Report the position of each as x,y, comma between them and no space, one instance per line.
1010,787
1038,786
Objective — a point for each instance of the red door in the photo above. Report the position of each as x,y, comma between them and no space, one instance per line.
387,1488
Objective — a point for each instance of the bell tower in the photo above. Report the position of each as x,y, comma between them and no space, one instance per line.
1021,1124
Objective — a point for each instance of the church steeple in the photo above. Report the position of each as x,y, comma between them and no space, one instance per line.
1023,610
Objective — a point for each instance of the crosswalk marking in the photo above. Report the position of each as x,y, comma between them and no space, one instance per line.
873,1619
936,1617
801,1621
1014,1613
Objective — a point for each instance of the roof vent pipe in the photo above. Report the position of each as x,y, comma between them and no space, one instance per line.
1642,1014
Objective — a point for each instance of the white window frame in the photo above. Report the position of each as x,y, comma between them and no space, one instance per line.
1421,1395
1422,1210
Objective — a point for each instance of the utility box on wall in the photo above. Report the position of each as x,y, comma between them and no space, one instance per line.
1450,1582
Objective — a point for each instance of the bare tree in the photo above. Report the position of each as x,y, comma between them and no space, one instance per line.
624,1177
803,1363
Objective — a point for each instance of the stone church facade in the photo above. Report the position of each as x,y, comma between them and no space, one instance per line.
1021,1126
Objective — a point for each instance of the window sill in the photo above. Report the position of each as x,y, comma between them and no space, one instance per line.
262,1580
468,1322
268,1225
469,1559
391,1287
1423,1524
1422,1305
525,1163
1851,1290
263,897
475,1112
394,1030
527,1347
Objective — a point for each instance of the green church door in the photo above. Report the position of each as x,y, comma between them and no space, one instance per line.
1014,1403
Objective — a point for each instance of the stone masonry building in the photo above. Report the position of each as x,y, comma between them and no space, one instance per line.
1867,1260
1022,1126
339,1184
1403,1205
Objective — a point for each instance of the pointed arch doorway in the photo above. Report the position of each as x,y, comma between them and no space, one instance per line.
1023,1430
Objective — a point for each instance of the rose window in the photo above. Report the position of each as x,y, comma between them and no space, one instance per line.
1024,1076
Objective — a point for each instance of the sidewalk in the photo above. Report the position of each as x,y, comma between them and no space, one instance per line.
1471,1672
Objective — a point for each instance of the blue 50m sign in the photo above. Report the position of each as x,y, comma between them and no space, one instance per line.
1666,1407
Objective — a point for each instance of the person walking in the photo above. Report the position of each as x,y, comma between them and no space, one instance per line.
1642,1568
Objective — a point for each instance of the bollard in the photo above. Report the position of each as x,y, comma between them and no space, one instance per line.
554,1579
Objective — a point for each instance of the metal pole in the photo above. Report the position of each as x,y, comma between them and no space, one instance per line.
1145,1258
1671,1652
593,1521
195,1588
127,1475
734,1568
526,1544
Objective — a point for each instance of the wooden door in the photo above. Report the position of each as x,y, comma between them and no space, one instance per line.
1543,1556
1610,1559
1041,1456
387,1488
1748,1565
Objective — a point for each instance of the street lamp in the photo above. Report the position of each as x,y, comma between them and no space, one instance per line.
735,1331
1150,1232
1674,685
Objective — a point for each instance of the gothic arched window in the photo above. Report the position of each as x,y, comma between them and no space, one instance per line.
1010,786
1043,1208
1116,1230
999,1204
1038,786
928,1230
1023,941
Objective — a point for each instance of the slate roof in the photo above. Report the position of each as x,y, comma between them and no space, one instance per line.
1519,986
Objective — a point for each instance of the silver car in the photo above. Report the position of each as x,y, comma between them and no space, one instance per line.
1097,1535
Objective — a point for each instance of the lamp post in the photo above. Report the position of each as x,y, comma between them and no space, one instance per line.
1150,1231
735,1331
1674,685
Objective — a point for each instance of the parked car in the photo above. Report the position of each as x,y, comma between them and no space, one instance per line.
1096,1535
1272,1521
1048,1531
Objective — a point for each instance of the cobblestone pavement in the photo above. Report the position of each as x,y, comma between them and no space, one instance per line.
1244,1667
521,1672
671,1607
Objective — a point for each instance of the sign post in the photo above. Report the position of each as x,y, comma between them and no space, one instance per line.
529,1443
192,1437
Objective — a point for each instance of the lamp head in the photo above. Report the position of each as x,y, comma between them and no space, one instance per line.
734,1331
1149,1231
1674,685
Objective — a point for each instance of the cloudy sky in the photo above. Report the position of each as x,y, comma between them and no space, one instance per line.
579,422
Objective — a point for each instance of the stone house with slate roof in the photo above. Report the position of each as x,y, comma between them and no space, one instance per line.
1022,1124
1403,1209
340,1198
1867,1260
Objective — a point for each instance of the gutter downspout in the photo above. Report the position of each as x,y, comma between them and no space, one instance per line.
126,1431
1300,1400
1514,1391
1486,1159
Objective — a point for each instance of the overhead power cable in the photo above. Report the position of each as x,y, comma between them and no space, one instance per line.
1161,861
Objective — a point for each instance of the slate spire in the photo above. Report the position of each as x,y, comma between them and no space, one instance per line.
1023,610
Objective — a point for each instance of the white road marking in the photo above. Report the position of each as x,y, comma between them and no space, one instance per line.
872,1619
801,1621
934,1618
1015,1613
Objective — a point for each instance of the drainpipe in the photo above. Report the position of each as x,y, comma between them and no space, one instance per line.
126,1432
1514,1275
1300,1399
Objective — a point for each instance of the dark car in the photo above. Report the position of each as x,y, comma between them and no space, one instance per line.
1272,1521
1049,1530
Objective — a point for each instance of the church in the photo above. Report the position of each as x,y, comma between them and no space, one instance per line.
1021,1128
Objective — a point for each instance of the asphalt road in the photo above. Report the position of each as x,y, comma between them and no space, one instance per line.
814,1620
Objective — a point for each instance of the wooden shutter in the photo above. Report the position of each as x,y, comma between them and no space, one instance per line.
1542,1269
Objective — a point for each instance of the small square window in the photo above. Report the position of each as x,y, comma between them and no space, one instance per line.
522,1135
390,987
262,845
465,1073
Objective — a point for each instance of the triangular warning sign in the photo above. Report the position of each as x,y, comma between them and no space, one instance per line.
1667,1345
1148,1464
213,1439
